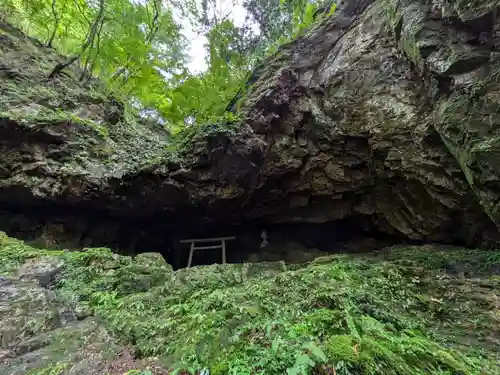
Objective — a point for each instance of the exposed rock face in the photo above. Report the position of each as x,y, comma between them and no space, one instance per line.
389,111
385,119
60,141
34,325
41,332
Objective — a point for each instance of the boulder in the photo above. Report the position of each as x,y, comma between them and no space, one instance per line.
44,270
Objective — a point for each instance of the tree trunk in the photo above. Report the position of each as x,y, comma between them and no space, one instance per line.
88,42
56,24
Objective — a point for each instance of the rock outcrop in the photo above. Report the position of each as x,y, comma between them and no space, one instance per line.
40,333
387,112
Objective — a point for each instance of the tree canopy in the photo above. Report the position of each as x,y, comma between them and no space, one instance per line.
138,47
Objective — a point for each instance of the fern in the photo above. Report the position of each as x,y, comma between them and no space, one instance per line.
322,319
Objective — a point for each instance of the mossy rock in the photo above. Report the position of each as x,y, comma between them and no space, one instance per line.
394,312
151,260
342,348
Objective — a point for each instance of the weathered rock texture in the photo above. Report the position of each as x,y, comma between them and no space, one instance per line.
41,333
389,111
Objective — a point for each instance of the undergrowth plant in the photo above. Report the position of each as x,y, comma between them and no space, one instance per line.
138,372
348,315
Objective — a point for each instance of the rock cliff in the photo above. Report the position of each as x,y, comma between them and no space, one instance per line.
388,114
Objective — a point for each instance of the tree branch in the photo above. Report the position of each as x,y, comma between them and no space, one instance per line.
153,28
88,42
97,47
56,24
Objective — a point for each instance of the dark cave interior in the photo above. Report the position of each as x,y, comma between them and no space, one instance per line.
62,229
342,236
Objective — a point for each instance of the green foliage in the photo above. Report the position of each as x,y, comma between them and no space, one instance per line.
304,14
282,21
137,47
57,369
357,315
137,43
14,253
455,260
138,372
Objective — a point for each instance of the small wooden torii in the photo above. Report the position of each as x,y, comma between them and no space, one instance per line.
194,246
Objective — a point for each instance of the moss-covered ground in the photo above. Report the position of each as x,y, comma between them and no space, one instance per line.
415,310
